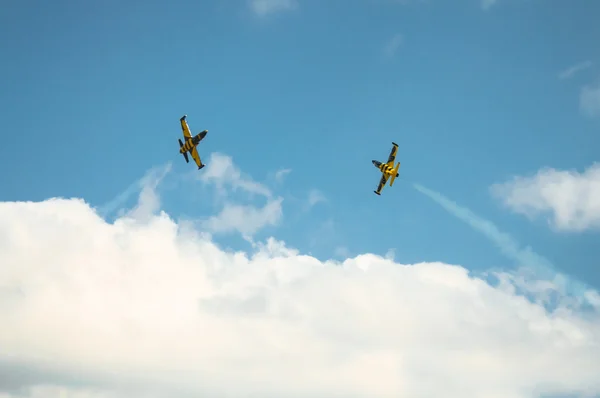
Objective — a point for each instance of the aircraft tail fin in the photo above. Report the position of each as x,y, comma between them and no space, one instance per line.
395,174
185,155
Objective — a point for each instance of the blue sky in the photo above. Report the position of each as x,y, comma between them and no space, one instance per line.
92,94
495,106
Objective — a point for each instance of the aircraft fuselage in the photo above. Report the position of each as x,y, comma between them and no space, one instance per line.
190,143
384,168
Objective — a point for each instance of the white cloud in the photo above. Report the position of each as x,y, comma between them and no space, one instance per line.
150,309
223,173
341,251
149,181
245,219
392,45
589,100
390,254
53,391
280,174
487,4
312,198
149,201
533,267
315,196
265,7
572,70
570,197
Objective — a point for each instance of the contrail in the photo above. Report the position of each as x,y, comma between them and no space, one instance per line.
151,177
120,199
525,257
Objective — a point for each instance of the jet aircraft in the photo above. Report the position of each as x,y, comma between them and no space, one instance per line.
191,143
387,169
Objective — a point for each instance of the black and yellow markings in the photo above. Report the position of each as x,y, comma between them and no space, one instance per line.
187,146
392,156
385,168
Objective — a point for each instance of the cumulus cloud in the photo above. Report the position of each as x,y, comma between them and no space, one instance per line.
245,219
570,198
227,178
152,308
574,69
589,100
223,174
53,391
266,7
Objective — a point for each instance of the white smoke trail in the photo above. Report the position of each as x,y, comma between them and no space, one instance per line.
532,264
151,178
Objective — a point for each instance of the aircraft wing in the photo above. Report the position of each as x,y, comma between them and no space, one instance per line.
196,157
392,156
381,184
185,127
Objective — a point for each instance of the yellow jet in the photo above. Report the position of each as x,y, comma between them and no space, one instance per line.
387,169
190,143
